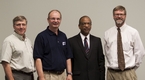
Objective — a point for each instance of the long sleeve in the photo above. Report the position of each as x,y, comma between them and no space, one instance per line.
138,49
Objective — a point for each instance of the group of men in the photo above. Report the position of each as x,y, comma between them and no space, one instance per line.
81,57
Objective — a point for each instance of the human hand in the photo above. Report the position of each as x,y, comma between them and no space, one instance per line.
41,78
69,77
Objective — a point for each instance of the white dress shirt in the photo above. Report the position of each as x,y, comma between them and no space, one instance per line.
18,52
132,47
88,39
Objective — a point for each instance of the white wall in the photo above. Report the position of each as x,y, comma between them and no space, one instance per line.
100,11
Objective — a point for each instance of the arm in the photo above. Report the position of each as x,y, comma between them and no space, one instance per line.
101,62
38,64
138,50
69,76
8,70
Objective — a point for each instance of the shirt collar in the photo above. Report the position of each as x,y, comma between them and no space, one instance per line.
122,27
83,37
50,32
20,36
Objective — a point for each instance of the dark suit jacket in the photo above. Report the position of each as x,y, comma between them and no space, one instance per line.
91,66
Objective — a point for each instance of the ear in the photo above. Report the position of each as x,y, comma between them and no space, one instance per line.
78,26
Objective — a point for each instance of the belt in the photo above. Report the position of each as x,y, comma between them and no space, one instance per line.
55,72
119,70
16,71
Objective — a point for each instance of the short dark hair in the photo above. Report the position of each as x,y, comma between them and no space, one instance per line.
19,18
82,18
119,7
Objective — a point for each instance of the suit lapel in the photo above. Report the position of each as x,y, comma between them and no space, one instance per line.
80,43
91,46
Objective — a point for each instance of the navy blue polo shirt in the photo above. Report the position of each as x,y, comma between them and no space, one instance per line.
52,49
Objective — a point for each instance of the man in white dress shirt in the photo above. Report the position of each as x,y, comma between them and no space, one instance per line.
133,49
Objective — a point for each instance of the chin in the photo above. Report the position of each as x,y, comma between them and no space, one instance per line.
21,33
55,26
119,22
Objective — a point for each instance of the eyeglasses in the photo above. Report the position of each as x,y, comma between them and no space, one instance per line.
55,19
119,14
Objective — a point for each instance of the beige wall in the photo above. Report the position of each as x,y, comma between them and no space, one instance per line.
100,11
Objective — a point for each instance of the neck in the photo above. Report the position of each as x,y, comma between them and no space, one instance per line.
119,25
55,30
84,34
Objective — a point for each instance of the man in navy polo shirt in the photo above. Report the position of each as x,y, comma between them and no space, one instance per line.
52,53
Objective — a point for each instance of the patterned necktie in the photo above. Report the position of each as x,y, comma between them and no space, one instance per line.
121,61
86,45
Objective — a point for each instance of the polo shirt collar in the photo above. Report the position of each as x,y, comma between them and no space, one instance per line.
50,32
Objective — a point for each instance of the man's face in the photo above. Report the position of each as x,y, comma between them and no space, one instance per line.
54,19
20,27
119,17
85,26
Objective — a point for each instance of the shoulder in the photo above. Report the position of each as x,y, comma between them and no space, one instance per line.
9,38
94,37
110,30
131,30
42,33
74,37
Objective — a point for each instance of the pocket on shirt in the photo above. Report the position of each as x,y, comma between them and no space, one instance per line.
127,46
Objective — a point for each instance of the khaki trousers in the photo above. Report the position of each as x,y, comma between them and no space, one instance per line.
52,76
121,75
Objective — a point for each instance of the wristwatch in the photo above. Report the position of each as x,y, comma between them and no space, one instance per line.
69,73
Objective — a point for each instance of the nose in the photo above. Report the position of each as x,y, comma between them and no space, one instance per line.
119,15
55,20
21,25
85,24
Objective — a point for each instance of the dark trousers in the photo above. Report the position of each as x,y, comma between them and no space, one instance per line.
19,75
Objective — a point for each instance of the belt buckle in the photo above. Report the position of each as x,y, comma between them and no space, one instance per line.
59,72
56,72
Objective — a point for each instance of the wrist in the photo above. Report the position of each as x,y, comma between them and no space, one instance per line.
69,73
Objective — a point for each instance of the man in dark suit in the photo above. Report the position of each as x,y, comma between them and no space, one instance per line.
88,61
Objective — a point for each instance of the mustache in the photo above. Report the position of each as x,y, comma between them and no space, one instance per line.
119,18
